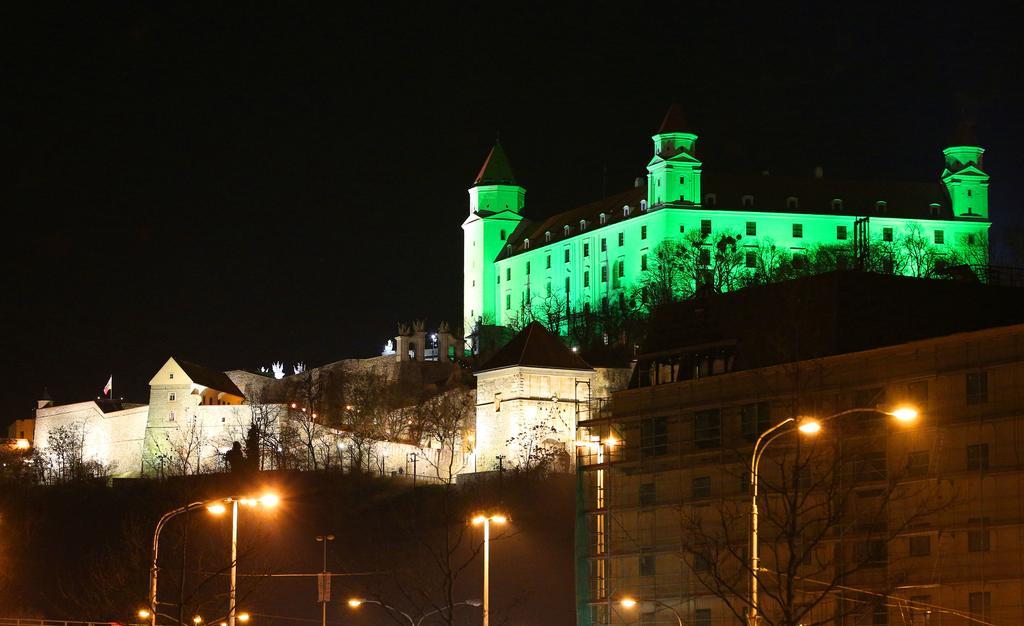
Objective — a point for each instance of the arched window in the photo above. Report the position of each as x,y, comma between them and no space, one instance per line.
547,236
711,199
526,244
604,219
792,203
565,230
881,206
747,202
583,225
837,204
643,205
625,211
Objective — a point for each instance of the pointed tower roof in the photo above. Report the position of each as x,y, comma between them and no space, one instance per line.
496,169
675,121
535,346
965,135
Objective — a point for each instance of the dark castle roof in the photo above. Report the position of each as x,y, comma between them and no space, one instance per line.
534,346
674,121
496,169
209,378
770,195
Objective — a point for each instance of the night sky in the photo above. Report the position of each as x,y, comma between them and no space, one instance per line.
234,185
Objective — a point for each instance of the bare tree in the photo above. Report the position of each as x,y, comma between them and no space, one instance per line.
445,420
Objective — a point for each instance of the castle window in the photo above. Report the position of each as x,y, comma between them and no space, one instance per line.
586,249
887,233
526,244
933,209
705,227
841,232
643,262
710,199
565,230
747,202
508,273
704,256
548,261
622,238
503,235
881,206
604,245
170,416
625,211
604,219
499,277
527,268
682,180
171,376
170,397
792,202
971,239
586,278
622,268
969,193
798,230
940,237
751,229
547,236
750,259
583,225
643,232
682,228
508,302
643,205
567,255
604,273
837,204
566,284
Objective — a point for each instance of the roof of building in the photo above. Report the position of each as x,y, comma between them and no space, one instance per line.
534,346
209,377
674,121
496,169
803,195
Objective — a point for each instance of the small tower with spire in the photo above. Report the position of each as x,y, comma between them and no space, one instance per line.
674,172
964,176
495,210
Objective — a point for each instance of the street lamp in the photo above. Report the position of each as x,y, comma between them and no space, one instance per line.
486,521
355,603
806,426
629,603
268,500
325,581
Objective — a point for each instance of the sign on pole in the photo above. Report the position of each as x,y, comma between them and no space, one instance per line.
323,587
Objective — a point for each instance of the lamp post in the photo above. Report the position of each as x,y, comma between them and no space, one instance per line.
153,569
357,602
217,508
325,585
486,521
806,426
629,603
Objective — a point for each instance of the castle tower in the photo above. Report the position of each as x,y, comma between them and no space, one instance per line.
495,205
963,176
674,173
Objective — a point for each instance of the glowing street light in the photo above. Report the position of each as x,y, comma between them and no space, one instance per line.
268,500
355,603
143,614
629,603
486,521
197,619
243,617
806,426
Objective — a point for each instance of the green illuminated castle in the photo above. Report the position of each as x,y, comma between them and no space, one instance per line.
689,229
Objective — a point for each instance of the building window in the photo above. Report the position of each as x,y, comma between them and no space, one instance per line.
508,273
586,278
977,456
978,539
977,387
497,403
604,245
526,244
700,487
503,235
567,255
654,436
940,237
837,204
881,206
792,203
171,376
979,603
710,199
170,397
798,230
647,563
920,545
583,225
707,428
682,228
648,494
841,233
586,249
643,232
704,256
508,301
643,262
934,209
527,268
750,259
747,202
567,284
622,239
547,236
887,233
604,273
751,229
755,418
705,227
702,617
625,211
603,219
170,416
565,230
548,261
917,463
971,239
643,205
622,268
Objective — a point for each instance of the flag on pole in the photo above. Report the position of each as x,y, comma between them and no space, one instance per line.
109,386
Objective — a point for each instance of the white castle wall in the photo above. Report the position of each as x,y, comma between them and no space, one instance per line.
113,439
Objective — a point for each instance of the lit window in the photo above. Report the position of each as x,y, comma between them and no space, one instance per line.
798,230
625,211
940,237
603,218
840,232
526,244
887,234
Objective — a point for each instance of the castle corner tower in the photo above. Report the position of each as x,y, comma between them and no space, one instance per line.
495,210
964,176
674,172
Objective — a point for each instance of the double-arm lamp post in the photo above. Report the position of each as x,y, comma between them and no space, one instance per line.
806,426
216,507
358,602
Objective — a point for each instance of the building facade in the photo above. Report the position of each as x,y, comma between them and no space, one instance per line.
892,523
596,254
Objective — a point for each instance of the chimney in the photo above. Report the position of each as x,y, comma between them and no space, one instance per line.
638,182
819,172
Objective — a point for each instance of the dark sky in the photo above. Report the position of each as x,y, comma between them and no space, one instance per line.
234,185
